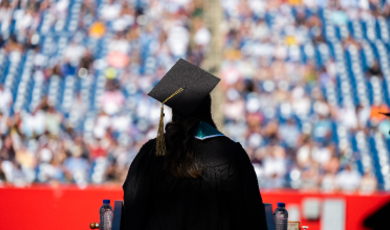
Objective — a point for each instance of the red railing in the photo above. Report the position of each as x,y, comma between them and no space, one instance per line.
69,207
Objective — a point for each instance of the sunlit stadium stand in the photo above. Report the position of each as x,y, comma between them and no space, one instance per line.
302,84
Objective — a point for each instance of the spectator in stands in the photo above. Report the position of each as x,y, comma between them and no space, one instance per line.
311,177
305,153
32,41
374,70
369,183
378,107
67,69
328,183
348,117
27,162
87,60
111,10
235,106
25,157
15,174
2,41
5,99
322,153
375,7
348,180
324,77
53,121
2,174
55,71
99,146
45,169
333,165
33,124
386,10
322,129
4,123
112,100
363,114
88,12
76,167
74,53
202,34
178,39
6,11
274,164
97,30
7,151
13,46
349,43
50,169
289,133
300,101
120,123
78,109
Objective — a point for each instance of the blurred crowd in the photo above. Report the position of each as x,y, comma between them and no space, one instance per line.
74,79
81,113
277,67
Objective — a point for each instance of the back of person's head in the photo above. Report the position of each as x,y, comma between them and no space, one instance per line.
181,158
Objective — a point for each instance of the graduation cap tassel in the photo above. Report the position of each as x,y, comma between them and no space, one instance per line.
161,148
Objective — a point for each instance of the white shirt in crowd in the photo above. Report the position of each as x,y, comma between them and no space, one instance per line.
202,36
178,39
112,101
273,165
348,180
111,11
328,183
321,155
74,53
34,123
5,100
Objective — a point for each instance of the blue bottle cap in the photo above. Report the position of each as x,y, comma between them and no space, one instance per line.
106,201
282,205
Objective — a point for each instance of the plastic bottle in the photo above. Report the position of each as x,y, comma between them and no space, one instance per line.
281,217
106,215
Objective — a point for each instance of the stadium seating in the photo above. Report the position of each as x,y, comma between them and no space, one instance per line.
26,75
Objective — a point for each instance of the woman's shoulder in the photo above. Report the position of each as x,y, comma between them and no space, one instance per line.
149,143
218,150
224,142
216,143
147,147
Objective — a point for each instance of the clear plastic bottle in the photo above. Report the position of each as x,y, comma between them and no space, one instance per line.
106,215
281,217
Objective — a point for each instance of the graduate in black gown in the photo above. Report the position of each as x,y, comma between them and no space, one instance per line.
191,177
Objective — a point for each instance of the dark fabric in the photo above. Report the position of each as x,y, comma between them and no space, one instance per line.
225,197
197,84
375,71
378,220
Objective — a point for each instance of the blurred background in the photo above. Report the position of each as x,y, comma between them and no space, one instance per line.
302,84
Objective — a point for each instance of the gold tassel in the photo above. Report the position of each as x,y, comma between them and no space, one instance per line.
161,148
160,145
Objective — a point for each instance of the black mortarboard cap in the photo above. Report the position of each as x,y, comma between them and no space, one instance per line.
195,82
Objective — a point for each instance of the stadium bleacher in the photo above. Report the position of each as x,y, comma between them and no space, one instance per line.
303,85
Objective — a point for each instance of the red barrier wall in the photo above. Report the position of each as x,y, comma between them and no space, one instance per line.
357,206
68,207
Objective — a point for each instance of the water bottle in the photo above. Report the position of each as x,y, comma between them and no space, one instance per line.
280,217
106,216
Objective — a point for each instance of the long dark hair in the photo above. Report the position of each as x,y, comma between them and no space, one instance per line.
180,158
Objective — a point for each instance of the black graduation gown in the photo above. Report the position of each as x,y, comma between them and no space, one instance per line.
226,196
